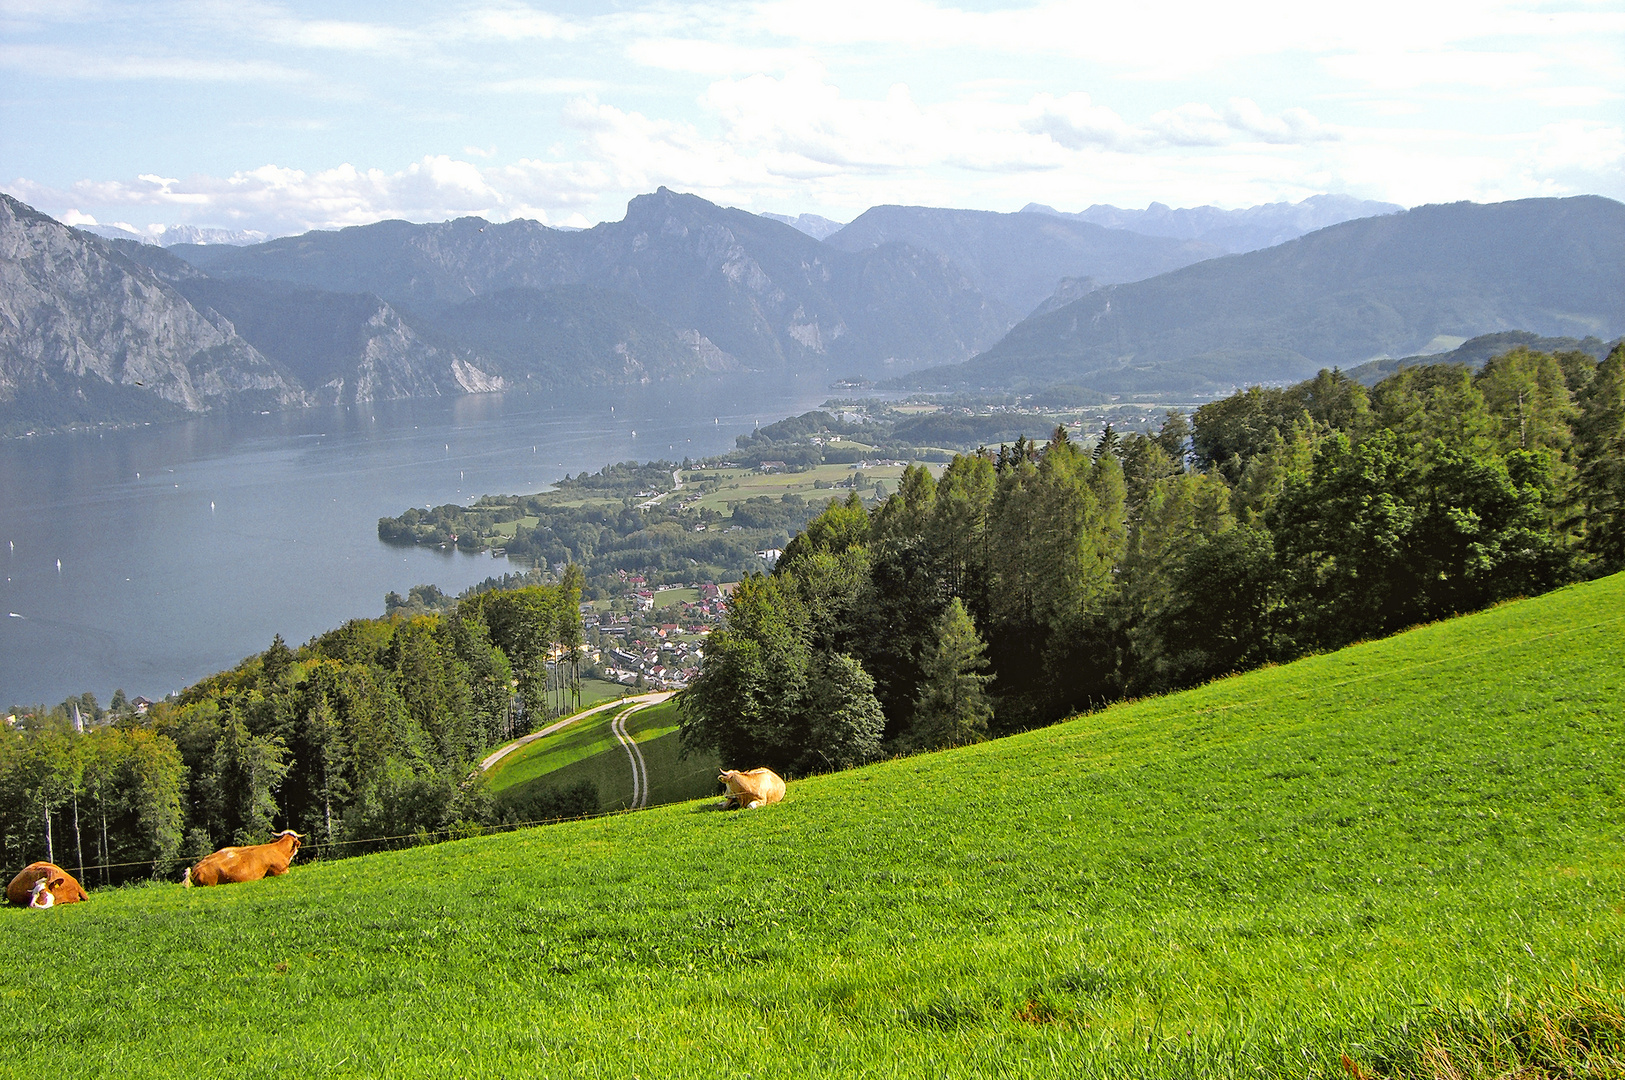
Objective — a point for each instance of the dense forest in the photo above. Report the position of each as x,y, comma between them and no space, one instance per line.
371,730
1044,578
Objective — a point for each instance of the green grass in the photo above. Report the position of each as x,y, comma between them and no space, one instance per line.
671,778
596,691
509,528
582,739
1411,851
588,750
737,485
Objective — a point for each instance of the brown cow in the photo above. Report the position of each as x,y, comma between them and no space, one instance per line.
751,789
231,865
63,888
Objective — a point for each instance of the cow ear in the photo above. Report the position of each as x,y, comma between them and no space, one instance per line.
58,883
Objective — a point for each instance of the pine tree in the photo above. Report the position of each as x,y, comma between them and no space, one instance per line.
1601,438
952,708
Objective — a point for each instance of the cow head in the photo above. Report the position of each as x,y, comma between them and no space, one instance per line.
41,896
288,834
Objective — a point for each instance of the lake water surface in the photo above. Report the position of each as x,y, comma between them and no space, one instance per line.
146,559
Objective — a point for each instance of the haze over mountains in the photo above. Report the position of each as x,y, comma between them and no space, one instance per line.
95,329
178,234
1383,286
1018,260
1231,231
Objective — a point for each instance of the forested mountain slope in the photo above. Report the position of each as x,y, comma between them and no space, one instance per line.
1382,286
758,290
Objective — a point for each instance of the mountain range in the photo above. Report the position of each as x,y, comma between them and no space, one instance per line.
1396,285
1017,260
1231,231
171,235
95,329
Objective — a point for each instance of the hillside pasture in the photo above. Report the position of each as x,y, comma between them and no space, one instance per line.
1410,852
589,751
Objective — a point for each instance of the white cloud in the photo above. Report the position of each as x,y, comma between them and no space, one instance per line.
543,85
515,22
1077,123
60,62
282,200
826,105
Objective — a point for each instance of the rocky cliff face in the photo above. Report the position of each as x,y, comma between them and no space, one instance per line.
343,348
82,326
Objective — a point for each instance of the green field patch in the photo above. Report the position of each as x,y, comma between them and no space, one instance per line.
508,528
595,691
584,738
671,777
1405,849
739,485
666,598
588,750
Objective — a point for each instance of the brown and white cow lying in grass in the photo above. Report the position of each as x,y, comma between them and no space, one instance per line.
231,865
60,886
751,789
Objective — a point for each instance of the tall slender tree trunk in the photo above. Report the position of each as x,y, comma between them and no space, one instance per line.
106,859
50,851
78,840
327,804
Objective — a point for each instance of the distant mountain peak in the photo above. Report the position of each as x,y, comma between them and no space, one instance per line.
1233,231
813,225
170,235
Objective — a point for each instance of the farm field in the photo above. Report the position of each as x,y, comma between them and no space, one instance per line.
597,691
737,485
1411,852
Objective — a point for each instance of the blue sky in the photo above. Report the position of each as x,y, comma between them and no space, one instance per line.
287,116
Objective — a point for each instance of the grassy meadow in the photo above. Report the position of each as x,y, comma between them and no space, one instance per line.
588,750
1411,852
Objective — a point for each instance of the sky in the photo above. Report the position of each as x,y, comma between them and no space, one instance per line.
283,117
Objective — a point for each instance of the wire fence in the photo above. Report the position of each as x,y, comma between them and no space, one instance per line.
318,851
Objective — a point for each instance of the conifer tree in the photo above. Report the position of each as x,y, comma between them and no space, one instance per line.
953,707
1601,437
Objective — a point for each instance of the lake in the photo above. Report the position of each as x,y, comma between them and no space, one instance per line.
145,559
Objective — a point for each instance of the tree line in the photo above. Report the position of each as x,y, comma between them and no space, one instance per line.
371,730
1038,580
